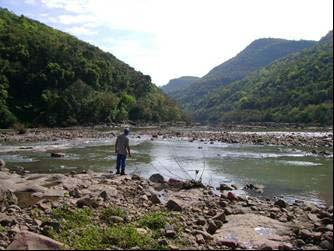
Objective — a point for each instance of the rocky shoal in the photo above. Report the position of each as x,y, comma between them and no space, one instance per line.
202,218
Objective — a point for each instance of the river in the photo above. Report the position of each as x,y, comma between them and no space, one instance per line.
283,172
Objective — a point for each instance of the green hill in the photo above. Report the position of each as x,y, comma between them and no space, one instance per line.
51,78
178,84
260,53
298,88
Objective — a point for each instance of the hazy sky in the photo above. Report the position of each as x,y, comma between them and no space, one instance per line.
172,38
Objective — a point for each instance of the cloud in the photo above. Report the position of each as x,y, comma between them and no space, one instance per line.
75,6
167,39
81,31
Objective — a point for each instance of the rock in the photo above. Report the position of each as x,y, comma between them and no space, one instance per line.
26,240
87,201
225,187
200,221
142,231
57,155
2,164
212,227
228,211
6,220
220,216
174,205
228,243
19,170
231,196
305,234
115,219
75,193
326,221
170,231
157,178
325,244
222,203
135,177
285,246
206,235
199,239
312,217
163,242
280,203
154,198
300,242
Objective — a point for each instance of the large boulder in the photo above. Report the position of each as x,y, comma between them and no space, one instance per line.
157,178
26,240
174,205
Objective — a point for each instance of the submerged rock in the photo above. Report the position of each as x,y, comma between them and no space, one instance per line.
57,155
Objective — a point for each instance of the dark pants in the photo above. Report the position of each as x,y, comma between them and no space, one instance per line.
121,162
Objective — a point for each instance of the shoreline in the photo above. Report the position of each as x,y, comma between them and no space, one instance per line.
195,216
309,139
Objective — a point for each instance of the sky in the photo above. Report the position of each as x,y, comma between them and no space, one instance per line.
167,39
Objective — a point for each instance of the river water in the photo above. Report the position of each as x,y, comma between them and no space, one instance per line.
282,171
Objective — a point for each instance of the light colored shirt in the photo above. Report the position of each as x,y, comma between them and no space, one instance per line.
122,143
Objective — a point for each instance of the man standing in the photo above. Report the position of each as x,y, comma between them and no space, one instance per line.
122,148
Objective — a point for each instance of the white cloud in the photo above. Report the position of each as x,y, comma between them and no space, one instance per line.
190,37
81,31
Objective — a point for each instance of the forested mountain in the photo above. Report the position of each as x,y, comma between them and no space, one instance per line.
298,88
51,78
178,84
258,54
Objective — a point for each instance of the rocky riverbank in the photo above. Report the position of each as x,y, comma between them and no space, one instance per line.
294,139
105,211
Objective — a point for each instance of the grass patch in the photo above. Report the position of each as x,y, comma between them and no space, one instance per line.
81,231
112,211
73,218
127,236
2,229
155,220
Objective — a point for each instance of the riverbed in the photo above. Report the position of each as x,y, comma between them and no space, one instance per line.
290,173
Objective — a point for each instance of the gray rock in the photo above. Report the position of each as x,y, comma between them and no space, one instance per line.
6,220
170,231
154,198
200,221
285,246
228,243
26,240
280,203
231,196
116,219
220,216
174,205
212,227
157,178
200,239
225,187
325,244
87,201
305,234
